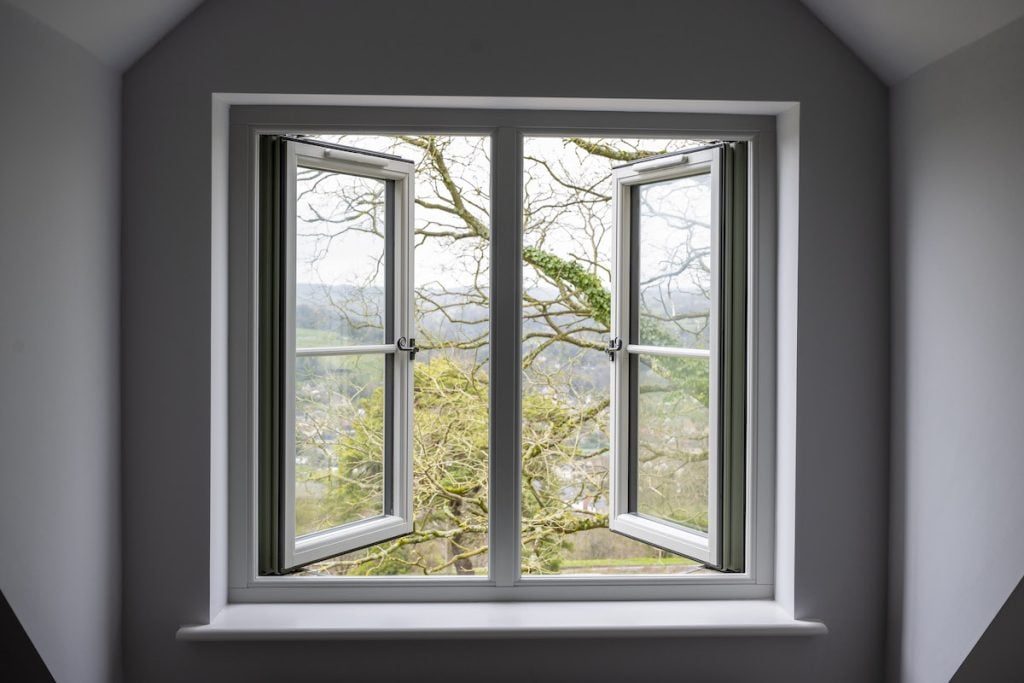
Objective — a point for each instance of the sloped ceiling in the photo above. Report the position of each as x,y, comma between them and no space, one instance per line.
117,32
894,37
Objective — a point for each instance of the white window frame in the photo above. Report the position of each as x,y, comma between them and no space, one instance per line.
507,128
397,517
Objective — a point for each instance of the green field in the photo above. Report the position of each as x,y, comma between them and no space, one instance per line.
626,562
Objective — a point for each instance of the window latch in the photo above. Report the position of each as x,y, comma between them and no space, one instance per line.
409,346
614,345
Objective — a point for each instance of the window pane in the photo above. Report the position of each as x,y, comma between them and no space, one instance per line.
339,440
340,271
672,439
674,274
568,236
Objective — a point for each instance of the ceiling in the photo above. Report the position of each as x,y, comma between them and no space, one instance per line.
118,32
894,37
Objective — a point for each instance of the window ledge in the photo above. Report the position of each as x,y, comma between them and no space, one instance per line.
371,621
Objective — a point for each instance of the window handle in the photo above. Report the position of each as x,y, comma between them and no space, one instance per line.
614,346
657,162
409,346
342,155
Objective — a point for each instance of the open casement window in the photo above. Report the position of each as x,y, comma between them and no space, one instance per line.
678,352
335,229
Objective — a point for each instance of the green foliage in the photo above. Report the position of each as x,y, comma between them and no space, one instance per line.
451,472
556,474
630,561
687,375
339,421
588,285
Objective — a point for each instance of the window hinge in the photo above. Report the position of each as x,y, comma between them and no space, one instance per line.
409,346
614,345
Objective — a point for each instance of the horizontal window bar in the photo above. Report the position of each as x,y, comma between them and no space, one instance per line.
668,351
347,350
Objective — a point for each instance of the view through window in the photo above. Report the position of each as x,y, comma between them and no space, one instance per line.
567,272
568,240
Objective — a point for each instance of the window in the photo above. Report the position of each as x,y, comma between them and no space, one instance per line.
678,346
497,361
360,361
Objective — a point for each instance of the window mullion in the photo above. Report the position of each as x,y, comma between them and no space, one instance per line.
506,353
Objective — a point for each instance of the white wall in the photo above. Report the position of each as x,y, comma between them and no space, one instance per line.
683,49
958,275
59,466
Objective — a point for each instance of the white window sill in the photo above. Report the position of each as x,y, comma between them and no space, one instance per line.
365,621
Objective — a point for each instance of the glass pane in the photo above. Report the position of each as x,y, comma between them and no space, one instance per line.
451,418
672,439
568,236
339,440
340,271
674,293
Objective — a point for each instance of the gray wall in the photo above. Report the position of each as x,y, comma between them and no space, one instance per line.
958,245
59,479
732,49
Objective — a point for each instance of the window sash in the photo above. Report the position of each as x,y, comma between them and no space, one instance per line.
281,550
723,545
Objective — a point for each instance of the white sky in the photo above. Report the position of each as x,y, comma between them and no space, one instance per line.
352,259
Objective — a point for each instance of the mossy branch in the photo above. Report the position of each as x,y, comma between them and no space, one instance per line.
587,284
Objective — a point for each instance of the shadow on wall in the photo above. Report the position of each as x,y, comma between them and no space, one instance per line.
18,656
998,656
